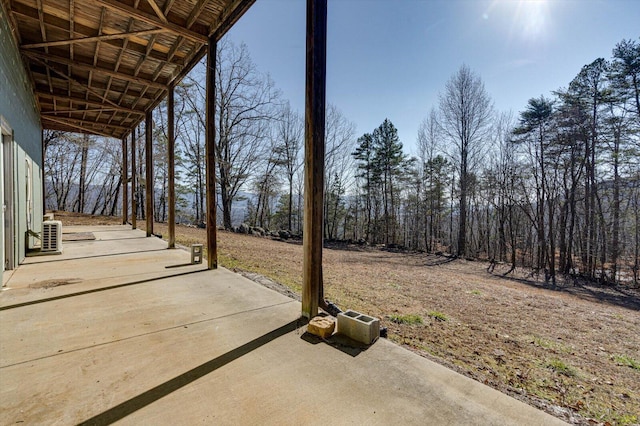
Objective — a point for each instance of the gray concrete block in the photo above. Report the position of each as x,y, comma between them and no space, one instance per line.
359,327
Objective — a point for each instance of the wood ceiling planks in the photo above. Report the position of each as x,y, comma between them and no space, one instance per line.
98,66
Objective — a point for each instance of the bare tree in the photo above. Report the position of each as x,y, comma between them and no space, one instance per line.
290,129
339,139
190,134
246,102
466,111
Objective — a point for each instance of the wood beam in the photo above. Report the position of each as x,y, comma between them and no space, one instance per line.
315,98
159,13
171,148
228,18
85,123
167,7
43,173
63,125
134,171
66,77
210,157
99,70
97,105
195,12
148,154
43,34
139,15
125,183
78,111
92,39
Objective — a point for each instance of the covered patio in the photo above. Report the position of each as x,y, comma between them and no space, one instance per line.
102,66
118,328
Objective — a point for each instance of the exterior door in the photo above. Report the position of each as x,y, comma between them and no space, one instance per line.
8,204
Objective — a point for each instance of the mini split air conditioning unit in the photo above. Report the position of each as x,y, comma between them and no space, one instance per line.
52,236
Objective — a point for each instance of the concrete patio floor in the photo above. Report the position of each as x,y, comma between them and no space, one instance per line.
120,329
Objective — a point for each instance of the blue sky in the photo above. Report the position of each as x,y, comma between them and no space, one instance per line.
391,58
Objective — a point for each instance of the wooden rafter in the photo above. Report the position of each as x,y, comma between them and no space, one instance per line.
78,122
95,52
157,10
82,101
78,111
72,80
229,16
72,21
84,67
43,34
167,7
92,39
195,13
139,15
174,48
75,127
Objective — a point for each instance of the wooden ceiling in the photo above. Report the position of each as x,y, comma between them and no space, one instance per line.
98,66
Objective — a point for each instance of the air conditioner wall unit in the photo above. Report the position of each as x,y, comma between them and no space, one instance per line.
52,236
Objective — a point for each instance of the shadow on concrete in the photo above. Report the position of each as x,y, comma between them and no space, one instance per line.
122,253
93,230
179,265
95,290
101,241
338,341
134,404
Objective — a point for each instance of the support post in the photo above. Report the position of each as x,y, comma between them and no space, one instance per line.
212,245
125,184
42,175
171,147
315,97
134,189
149,172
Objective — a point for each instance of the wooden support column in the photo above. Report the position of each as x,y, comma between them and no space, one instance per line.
171,147
210,143
314,146
134,190
125,183
148,153
42,175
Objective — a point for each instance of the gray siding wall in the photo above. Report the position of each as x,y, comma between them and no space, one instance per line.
20,117
17,103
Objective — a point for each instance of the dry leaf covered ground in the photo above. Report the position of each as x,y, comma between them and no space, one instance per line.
570,349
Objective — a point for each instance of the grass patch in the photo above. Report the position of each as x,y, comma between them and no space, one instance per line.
231,262
561,367
476,292
627,361
543,343
438,316
551,345
410,319
627,419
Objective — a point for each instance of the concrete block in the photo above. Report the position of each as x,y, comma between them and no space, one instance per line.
359,327
322,326
196,253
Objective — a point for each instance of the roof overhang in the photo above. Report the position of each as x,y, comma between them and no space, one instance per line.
97,66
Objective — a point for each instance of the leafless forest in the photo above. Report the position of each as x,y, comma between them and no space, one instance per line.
554,187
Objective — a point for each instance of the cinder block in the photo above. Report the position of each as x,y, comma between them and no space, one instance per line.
322,326
361,328
196,253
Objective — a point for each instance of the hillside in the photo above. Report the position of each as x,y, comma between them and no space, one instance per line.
570,349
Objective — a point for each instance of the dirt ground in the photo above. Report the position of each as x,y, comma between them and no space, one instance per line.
572,350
